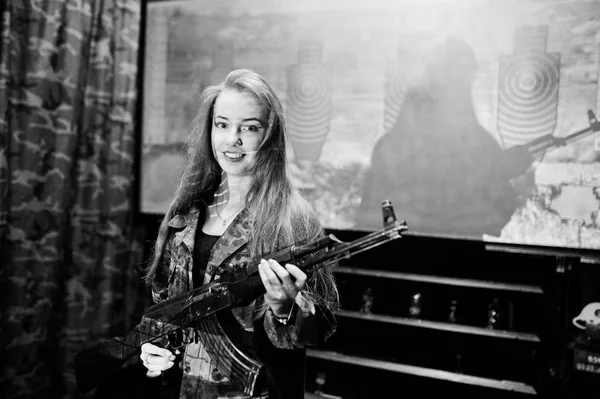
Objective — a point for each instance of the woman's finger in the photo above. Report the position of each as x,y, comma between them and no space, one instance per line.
151,349
158,364
154,370
282,274
155,360
153,374
299,276
263,272
270,274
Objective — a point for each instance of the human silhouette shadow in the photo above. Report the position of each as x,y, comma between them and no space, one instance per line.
444,173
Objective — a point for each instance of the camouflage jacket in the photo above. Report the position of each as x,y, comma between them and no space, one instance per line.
174,276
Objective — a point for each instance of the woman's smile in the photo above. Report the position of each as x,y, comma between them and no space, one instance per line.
233,156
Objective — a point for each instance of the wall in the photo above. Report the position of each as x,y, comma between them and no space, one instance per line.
433,104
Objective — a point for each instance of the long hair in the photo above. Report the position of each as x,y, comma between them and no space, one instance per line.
281,216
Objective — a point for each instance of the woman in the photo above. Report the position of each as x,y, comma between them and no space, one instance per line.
234,204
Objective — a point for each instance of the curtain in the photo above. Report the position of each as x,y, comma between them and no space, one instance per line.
70,243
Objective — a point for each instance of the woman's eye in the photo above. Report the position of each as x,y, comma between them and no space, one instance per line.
251,128
221,125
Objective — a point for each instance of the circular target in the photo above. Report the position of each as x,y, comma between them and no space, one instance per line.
309,108
528,94
309,87
395,91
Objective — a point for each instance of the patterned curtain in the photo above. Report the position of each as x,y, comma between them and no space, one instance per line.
70,245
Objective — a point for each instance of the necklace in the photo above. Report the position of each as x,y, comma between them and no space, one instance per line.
224,221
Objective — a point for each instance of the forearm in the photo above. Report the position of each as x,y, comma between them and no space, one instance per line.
297,328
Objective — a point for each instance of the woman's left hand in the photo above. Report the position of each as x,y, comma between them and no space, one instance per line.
282,284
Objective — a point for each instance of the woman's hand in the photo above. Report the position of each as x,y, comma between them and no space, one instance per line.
282,284
156,359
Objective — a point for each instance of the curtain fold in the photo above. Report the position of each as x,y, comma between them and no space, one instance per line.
69,240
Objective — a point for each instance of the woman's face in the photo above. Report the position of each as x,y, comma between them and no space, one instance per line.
239,126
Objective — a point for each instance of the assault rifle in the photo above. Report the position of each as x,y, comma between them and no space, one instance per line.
168,323
541,144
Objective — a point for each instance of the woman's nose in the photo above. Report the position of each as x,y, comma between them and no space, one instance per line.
234,136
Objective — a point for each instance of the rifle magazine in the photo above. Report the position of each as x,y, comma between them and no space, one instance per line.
243,371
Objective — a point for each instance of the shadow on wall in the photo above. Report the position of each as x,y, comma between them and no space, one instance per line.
437,164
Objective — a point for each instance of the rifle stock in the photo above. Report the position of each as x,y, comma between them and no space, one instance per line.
192,316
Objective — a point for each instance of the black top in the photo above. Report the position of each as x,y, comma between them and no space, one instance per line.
202,247
284,374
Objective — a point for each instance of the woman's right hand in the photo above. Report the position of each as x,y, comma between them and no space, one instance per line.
156,359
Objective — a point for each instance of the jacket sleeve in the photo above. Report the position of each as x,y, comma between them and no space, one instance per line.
310,322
